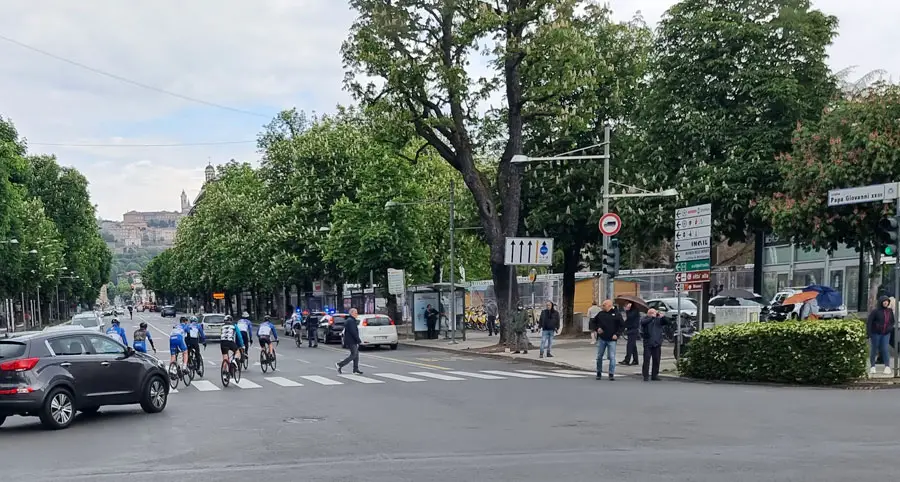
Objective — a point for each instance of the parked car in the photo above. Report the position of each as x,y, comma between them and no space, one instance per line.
167,311
784,312
331,326
212,325
87,320
53,374
378,330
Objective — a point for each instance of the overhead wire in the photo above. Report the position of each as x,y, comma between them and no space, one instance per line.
185,144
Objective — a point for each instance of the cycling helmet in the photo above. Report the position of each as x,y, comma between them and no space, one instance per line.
245,315
194,319
143,325
115,321
183,319
266,318
227,317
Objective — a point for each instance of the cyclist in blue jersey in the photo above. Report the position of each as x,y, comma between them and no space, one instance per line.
116,332
265,333
246,328
230,339
177,345
195,336
141,337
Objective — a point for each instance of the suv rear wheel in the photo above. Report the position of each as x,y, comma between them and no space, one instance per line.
58,410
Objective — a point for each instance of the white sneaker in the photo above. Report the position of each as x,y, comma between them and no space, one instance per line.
872,371
888,370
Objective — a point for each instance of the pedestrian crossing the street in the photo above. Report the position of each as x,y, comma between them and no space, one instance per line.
307,381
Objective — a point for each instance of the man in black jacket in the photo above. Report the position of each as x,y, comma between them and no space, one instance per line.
879,326
652,333
609,325
632,331
549,323
351,342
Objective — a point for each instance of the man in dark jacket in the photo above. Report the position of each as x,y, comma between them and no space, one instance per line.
632,331
652,333
879,326
431,319
351,342
549,322
609,325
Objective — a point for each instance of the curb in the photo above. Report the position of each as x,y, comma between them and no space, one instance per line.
497,356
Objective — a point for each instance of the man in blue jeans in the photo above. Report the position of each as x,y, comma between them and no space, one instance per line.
549,323
609,325
879,326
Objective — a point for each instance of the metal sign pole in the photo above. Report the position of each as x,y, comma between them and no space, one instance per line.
679,340
897,299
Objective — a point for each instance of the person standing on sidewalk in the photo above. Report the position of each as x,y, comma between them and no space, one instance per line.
519,325
879,326
609,325
592,312
549,322
490,309
431,319
652,333
351,342
632,332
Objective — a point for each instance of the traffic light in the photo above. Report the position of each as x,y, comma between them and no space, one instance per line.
888,234
611,258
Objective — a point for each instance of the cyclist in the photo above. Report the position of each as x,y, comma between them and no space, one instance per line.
130,312
246,328
177,345
141,337
265,333
231,339
116,332
195,336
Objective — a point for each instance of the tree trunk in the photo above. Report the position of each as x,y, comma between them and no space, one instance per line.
393,310
875,276
571,259
502,289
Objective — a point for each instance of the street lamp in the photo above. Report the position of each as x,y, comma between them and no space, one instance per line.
451,204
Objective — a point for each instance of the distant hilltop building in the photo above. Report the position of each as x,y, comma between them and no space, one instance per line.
144,228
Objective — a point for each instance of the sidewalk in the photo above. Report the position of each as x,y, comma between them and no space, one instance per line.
573,353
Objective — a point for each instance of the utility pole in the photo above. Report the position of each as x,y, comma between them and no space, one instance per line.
452,267
607,282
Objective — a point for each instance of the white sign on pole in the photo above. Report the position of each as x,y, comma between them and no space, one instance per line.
529,252
396,281
864,194
692,244
693,233
693,211
692,254
695,222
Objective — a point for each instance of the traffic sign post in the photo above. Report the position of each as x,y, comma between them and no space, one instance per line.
610,224
693,233
529,252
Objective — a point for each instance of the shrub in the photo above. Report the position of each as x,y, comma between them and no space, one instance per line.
797,352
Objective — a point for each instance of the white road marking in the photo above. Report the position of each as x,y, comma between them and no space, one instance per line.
321,380
482,376
511,374
213,363
244,383
302,361
436,376
205,386
284,382
401,378
552,374
367,366
360,379
575,372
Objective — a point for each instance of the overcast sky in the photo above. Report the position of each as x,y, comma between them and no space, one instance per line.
253,57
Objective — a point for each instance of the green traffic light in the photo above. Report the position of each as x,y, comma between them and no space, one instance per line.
889,251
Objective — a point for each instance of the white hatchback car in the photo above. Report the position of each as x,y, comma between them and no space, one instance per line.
378,330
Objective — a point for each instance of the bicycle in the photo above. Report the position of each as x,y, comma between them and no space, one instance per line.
177,373
195,362
266,360
298,338
231,370
245,357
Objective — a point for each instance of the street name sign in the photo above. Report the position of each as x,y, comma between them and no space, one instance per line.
864,194
693,233
692,277
695,265
610,224
692,254
529,252
688,286
691,244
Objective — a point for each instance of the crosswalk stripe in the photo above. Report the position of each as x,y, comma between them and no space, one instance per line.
284,382
402,378
321,380
205,386
436,376
482,376
244,383
213,363
575,372
360,379
173,390
511,374
552,374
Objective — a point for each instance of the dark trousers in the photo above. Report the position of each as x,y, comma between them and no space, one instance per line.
651,355
354,357
312,335
631,355
432,332
491,319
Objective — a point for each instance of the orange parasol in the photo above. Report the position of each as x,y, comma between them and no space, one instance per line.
800,297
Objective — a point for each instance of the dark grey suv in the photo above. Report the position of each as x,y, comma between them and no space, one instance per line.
52,375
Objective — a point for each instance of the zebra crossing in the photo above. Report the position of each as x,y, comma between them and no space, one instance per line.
277,381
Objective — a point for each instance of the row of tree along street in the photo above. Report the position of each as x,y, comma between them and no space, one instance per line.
730,103
49,240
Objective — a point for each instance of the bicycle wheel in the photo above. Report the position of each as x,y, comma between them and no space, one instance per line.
274,361
237,373
173,376
299,340
226,373
198,366
187,375
245,359
263,362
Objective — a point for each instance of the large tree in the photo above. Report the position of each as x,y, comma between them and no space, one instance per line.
856,143
416,55
728,82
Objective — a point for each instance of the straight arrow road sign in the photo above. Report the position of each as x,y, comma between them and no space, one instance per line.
529,251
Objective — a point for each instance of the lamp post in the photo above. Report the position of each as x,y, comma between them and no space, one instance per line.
451,202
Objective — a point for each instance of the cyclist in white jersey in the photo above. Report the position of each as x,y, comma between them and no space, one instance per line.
231,340
264,334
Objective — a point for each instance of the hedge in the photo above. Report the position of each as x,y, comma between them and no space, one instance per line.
796,352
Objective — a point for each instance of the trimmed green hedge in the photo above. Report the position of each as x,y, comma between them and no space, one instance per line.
797,352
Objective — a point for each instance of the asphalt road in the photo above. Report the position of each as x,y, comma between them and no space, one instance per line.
472,427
